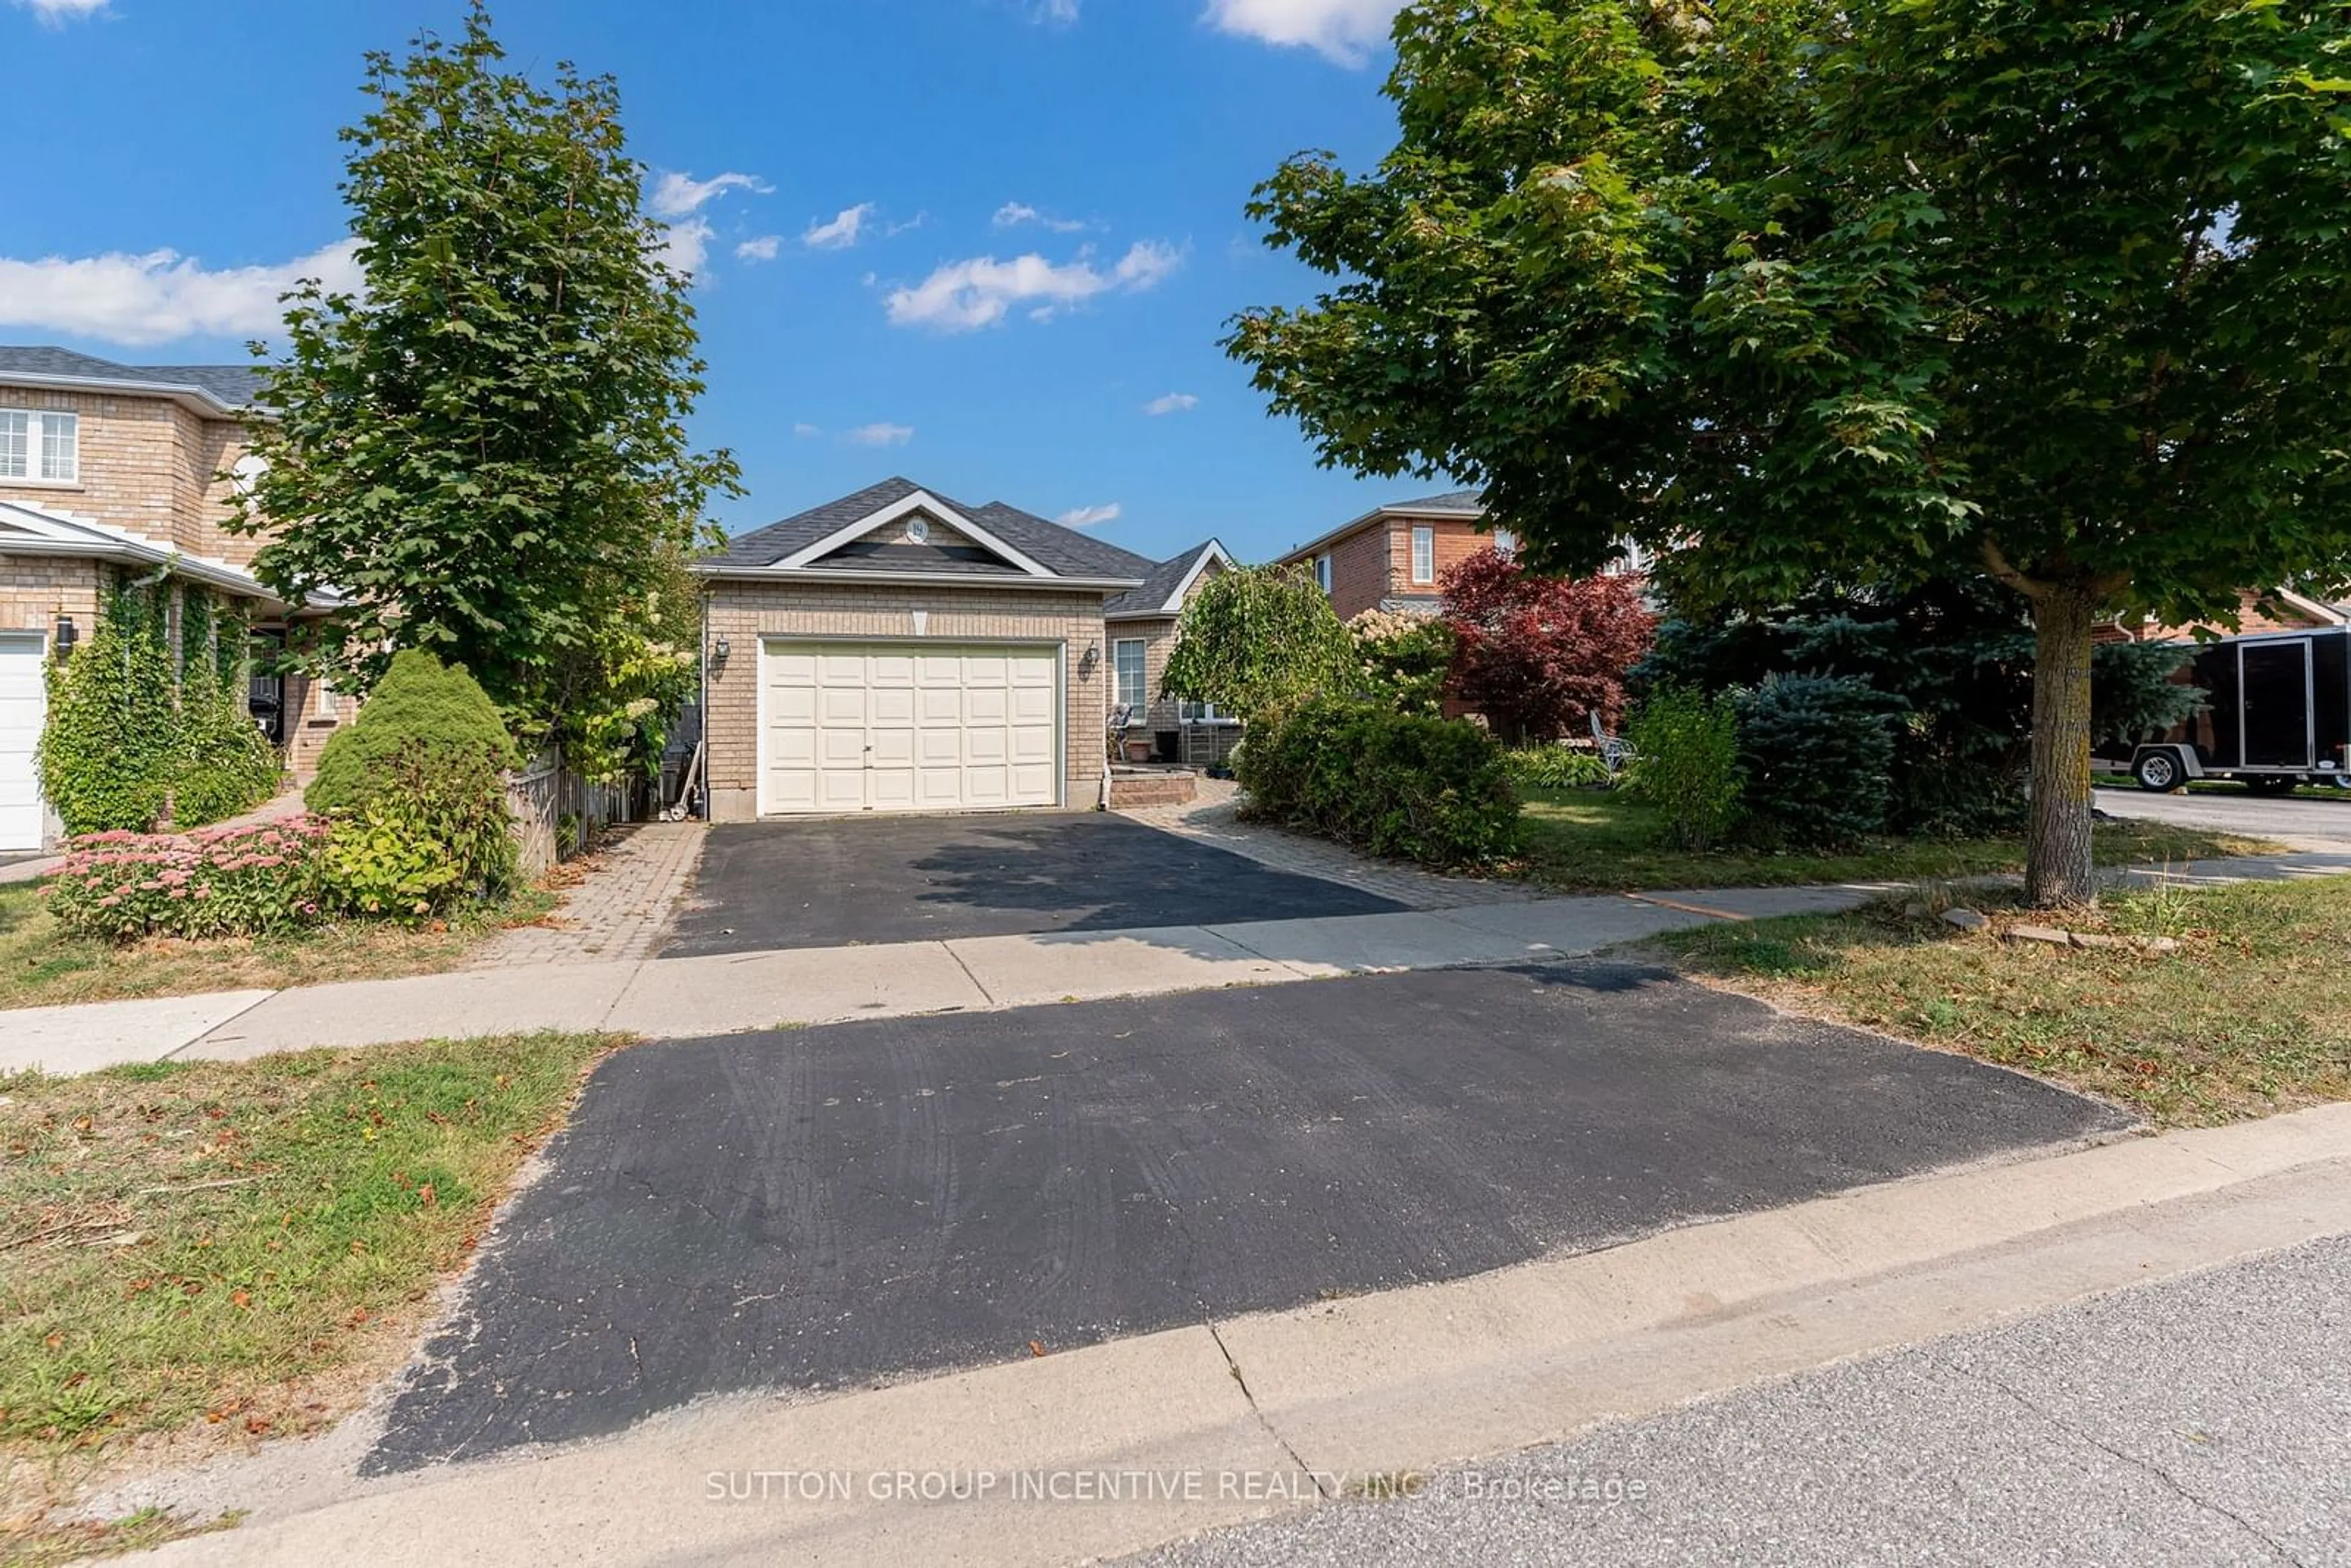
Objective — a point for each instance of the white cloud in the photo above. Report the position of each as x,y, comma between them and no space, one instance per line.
675,195
880,434
1089,516
685,246
1346,31
1173,402
963,295
58,13
804,431
763,248
842,232
1013,214
1057,10
155,297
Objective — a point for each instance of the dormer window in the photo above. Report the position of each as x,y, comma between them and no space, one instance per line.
40,445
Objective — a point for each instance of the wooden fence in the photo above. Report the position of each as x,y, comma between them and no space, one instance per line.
556,811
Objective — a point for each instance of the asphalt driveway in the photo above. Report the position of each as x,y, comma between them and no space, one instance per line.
833,881
845,1205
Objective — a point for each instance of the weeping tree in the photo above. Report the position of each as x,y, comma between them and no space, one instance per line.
1257,639
1787,290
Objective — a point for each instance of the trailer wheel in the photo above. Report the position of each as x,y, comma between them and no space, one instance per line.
2158,773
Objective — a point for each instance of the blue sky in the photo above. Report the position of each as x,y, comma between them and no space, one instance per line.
973,241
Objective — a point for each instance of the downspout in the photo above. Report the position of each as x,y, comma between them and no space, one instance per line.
701,717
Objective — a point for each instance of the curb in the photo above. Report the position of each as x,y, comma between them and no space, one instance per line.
1151,1438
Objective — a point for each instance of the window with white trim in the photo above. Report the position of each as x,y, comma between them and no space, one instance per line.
1204,712
1505,542
1127,657
40,445
1424,555
1322,572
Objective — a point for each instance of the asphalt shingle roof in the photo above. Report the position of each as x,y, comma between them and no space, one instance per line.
1159,585
1065,552
1450,501
236,385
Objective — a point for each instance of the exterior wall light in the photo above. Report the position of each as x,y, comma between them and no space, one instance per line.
1092,657
66,637
718,653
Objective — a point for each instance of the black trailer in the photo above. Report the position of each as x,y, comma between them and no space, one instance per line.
2277,713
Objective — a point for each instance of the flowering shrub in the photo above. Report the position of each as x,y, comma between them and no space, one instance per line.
214,881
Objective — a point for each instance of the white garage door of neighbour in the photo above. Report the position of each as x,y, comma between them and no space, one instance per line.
885,726
20,732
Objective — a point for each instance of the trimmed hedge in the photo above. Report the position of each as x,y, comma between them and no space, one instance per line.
1433,790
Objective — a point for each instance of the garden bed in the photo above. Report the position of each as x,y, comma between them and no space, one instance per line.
1607,840
2245,1016
197,1256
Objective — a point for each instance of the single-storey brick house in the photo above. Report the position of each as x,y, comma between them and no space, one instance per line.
898,651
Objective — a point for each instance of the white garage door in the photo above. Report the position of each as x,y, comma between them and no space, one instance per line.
20,731
896,726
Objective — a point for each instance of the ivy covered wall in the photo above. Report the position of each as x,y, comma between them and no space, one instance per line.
144,727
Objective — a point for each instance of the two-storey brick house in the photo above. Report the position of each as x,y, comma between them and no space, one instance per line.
109,473
1392,557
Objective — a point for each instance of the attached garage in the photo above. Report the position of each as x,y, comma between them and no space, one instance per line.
21,704
908,727
895,651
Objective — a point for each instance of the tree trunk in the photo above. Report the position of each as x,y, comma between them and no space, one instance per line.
2057,865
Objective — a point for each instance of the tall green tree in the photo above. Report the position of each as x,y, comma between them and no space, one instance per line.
482,453
1794,290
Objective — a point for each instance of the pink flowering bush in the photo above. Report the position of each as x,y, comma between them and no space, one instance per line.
214,881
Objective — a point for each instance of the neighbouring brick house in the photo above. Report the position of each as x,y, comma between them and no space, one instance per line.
111,472
1392,557
2279,610
898,651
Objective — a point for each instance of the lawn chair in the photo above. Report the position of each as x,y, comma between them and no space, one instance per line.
1615,750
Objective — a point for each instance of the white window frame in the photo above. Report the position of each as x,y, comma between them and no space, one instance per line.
1424,553
1203,714
322,698
1142,703
1322,571
1506,542
39,425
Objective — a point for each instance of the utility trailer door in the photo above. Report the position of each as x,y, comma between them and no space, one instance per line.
2274,679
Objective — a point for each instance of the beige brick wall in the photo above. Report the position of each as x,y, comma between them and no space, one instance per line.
743,613
147,465
36,590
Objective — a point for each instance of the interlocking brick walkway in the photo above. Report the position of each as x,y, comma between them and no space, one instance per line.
618,912
1211,818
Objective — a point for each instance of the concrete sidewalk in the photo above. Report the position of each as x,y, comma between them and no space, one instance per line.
1138,1441
729,993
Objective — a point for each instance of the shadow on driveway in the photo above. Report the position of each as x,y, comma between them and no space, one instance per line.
844,1205
831,882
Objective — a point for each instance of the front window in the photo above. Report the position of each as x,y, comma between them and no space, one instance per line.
1126,659
40,445
1424,555
1206,713
1322,572
1505,542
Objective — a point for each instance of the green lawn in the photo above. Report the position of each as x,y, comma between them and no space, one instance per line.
224,1251
2251,1015
42,966
1606,841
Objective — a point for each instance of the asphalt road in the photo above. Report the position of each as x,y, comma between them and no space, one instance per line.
2316,822
2201,1421
828,882
846,1205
